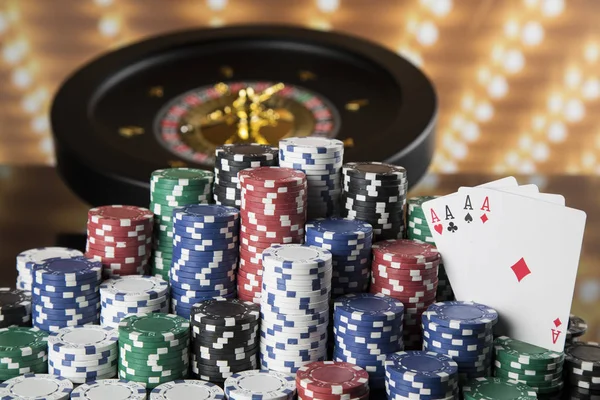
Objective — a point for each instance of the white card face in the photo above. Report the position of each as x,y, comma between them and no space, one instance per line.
523,266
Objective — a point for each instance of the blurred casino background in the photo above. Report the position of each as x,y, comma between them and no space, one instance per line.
518,84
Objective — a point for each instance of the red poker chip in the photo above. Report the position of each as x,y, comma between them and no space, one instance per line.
282,190
140,249
404,297
250,255
248,297
251,272
251,283
385,271
405,279
379,260
284,208
256,247
298,238
272,225
272,215
119,231
272,177
121,261
119,242
275,233
250,275
430,287
332,378
250,264
406,251
273,198
119,215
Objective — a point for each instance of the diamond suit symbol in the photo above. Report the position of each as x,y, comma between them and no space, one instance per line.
521,269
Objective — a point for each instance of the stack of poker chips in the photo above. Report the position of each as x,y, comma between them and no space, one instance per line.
186,389
367,327
22,351
171,188
407,271
538,368
375,193
110,389
153,348
36,386
233,158
321,160
497,388
132,295
349,242
65,293
296,291
205,252
419,231
28,258
15,307
463,331
576,329
273,211
224,338
421,374
83,353
332,380
272,385
582,370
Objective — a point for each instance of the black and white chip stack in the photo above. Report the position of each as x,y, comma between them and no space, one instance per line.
233,158
15,307
375,193
576,329
224,338
28,258
582,370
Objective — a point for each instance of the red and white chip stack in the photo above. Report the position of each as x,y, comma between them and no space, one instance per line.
407,271
120,237
273,211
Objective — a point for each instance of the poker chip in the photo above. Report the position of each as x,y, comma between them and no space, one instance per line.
187,389
497,388
15,307
36,386
577,327
109,389
582,367
22,350
169,189
132,295
28,258
332,380
153,348
260,385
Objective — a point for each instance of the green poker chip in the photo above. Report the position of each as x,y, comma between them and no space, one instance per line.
19,342
178,363
151,382
523,369
151,347
531,380
509,350
155,327
181,176
23,364
497,389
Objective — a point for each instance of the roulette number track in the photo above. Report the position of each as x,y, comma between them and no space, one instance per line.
171,100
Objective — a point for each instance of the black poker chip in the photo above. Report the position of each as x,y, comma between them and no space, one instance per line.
14,302
230,362
377,191
224,164
241,152
365,206
225,312
374,171
374,182
577,327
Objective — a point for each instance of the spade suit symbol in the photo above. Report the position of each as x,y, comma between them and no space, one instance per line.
468,218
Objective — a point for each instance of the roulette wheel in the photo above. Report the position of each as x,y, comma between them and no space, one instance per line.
170,100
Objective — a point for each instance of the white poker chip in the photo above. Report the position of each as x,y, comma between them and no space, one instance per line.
36,386
110,389
35,256
260,385
311,144
187,389
292,256
133,287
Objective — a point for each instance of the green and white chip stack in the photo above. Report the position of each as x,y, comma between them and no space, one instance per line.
536,367
154,348
23,351
171,188
497,388
418,231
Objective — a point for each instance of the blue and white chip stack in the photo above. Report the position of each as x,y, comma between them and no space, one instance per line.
421,375
296,291
28,258
367,327
205,255
321,160
461,330
65,293
83,353
349,242
132,295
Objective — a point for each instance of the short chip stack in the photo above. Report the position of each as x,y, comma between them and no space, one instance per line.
22,351
576,329
65,293
187,389
296,291
36,386
421,374
171,188
375,193
256,384
205,254
83,353
15,307
463,331
349,242
132,295
407,271
367,328
497,388
225,338
332,380
28,258
321,160
273,211
153,348
419,231
582,369
121,238
110,389
233,158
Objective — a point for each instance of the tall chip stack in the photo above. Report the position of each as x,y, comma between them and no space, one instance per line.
582,370
407,271
576,329
121,238
367,328
225,338
23,351
28,258
205,254
171,188
15,308
463,331
65,293
83,353
233,158
257,384
332,380
419,231
153,349
296,290
273,211
132,295
421,374
497,388
375,193
321,160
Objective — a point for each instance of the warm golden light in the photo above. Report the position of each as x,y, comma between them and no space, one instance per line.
216,5
109,26
328,6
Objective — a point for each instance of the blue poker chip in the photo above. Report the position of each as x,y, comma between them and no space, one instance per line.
198,227
461,355
294,340
338,248
65,302
455,339
204,256
368,326
207,213
72,295
339,229
184,242
53,324
65,312
67,269
91,280
364,359
462,314
466,347
402,391
202,234
353,337
283,285
369,350
421,366
463,332
187,274
368,307
418,389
